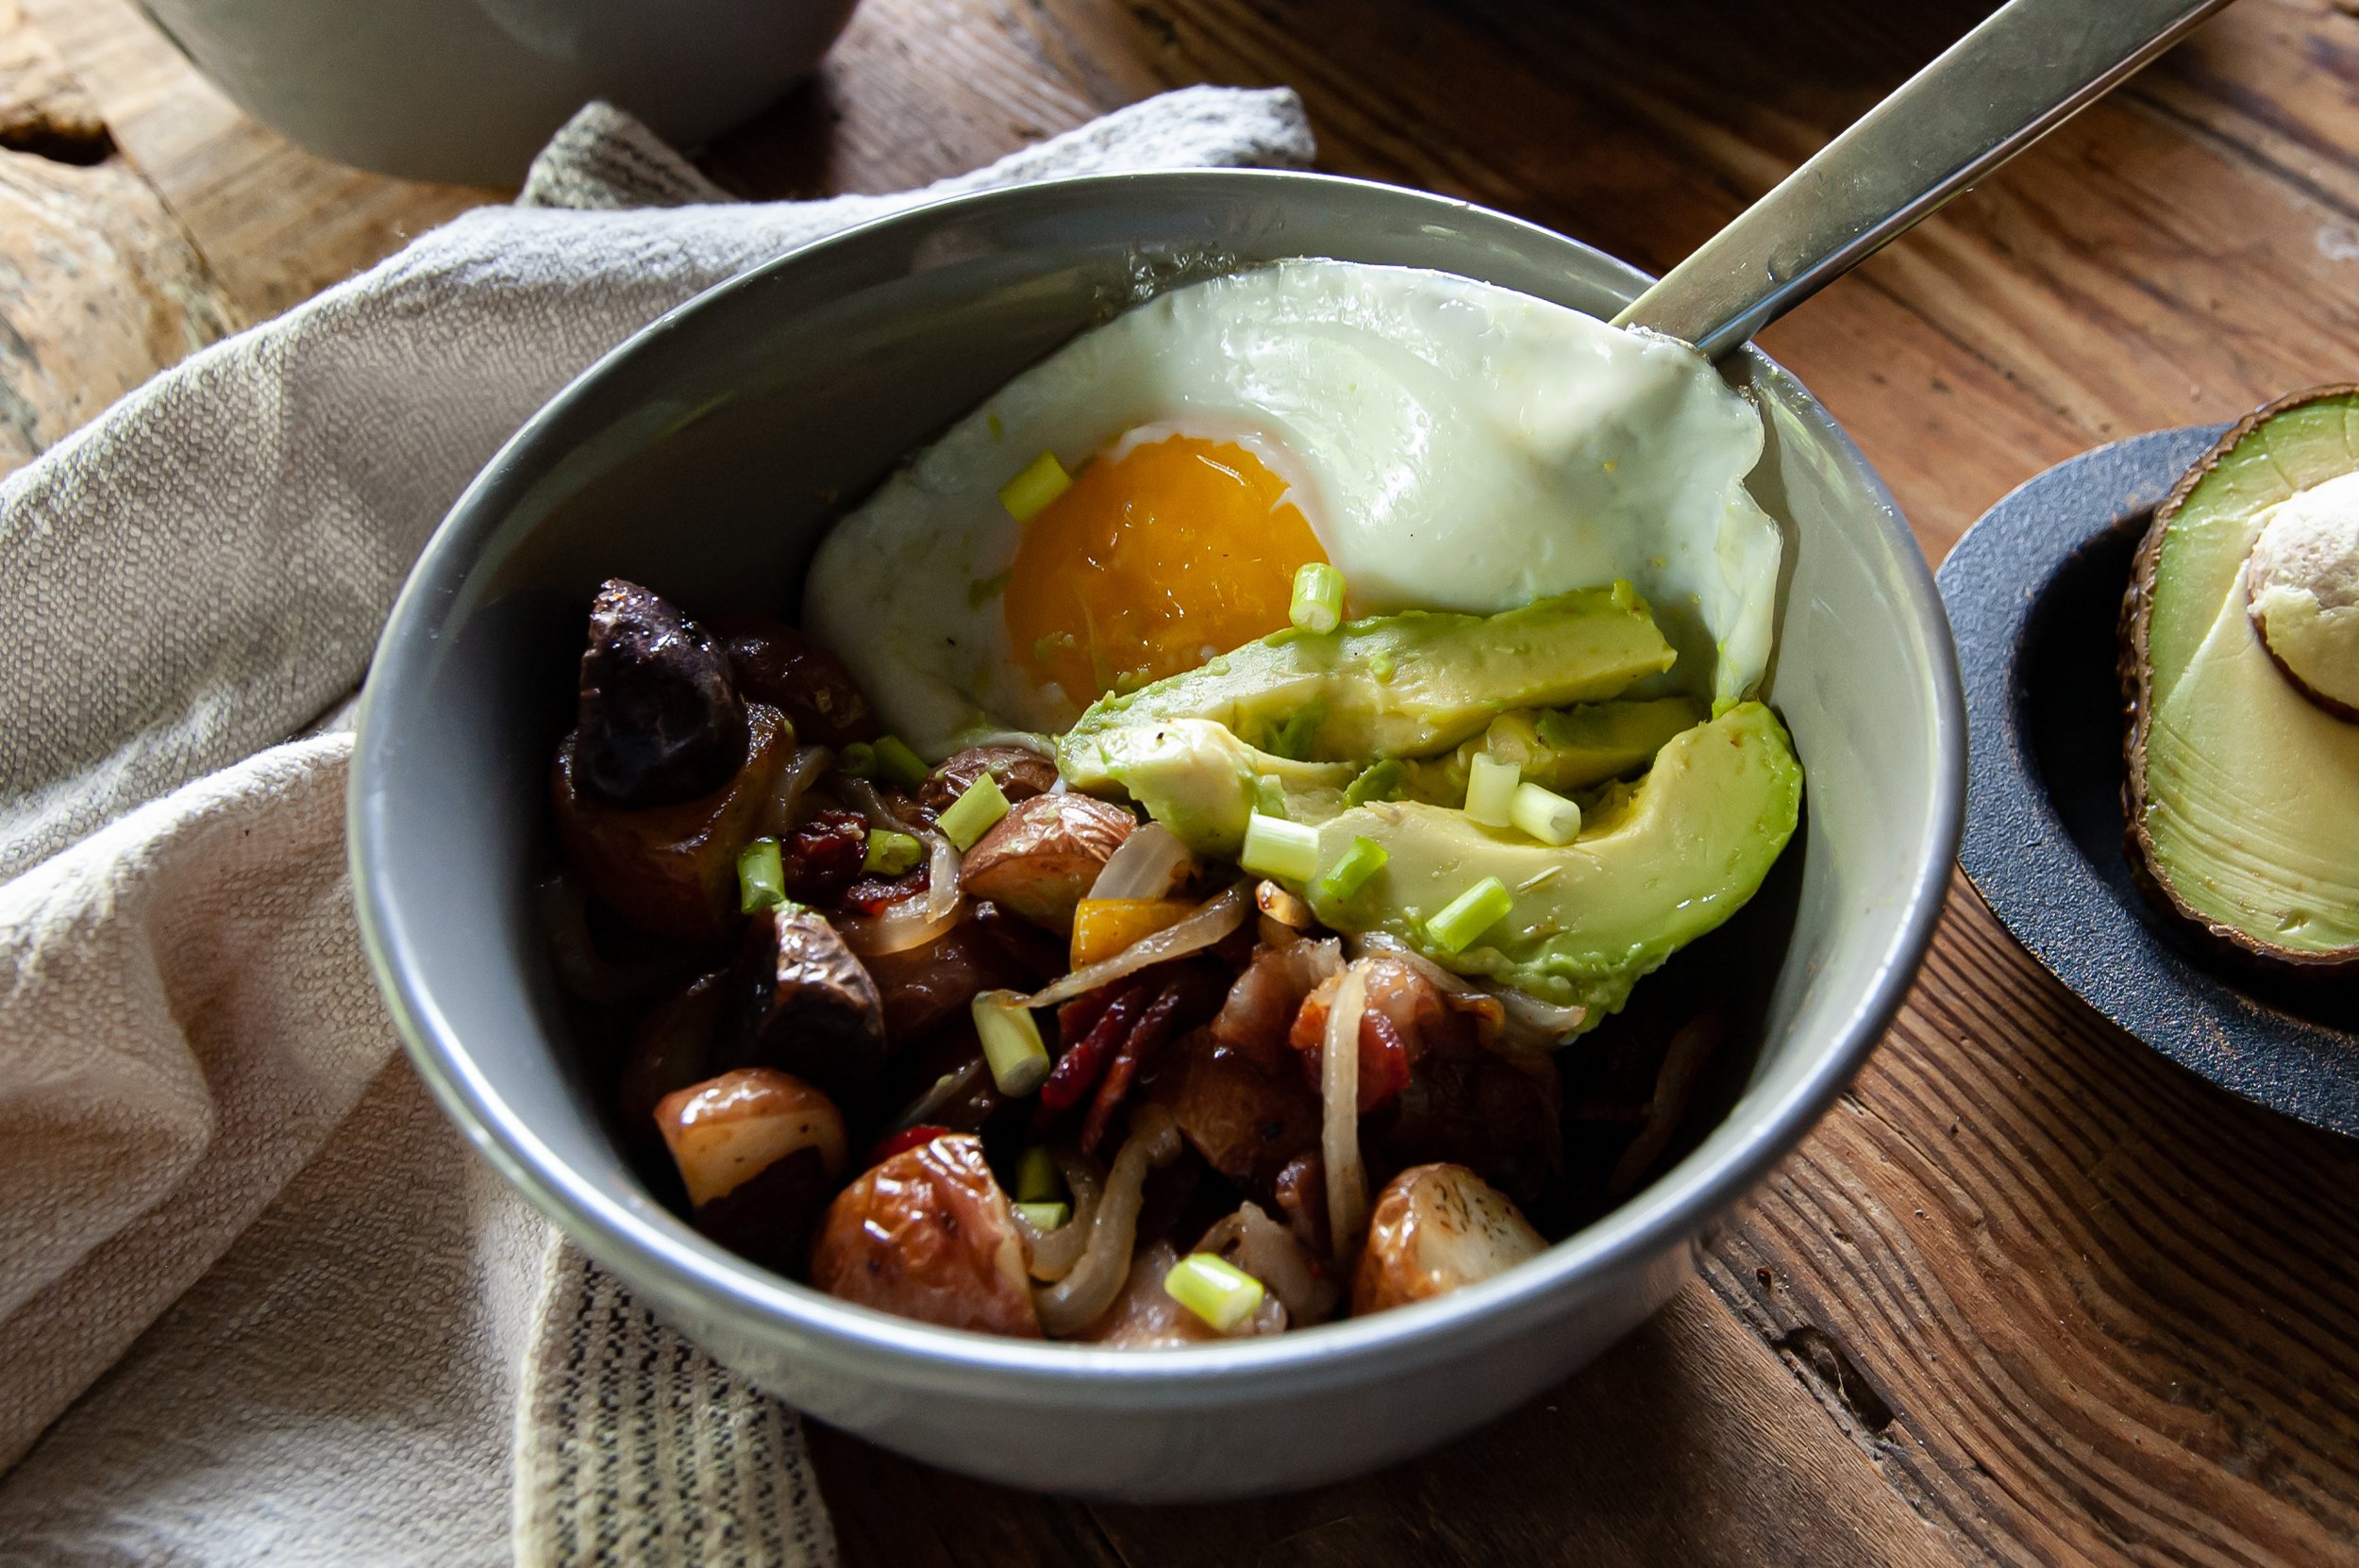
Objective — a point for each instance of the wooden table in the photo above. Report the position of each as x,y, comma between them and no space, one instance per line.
2030,1293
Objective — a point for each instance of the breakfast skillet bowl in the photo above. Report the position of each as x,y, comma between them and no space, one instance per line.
710,455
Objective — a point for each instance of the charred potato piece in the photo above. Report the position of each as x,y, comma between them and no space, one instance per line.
671,870
1021,771
672,1049
1435,1229
1495,1113
925,987
1042,857
660,721
1248,1124
759,1152
807,1004
775,663
927,1235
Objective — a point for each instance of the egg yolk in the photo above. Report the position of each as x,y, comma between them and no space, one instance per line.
1151,563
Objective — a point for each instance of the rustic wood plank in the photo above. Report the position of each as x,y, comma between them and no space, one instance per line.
2082,1306
1685,1444
275,224
99,288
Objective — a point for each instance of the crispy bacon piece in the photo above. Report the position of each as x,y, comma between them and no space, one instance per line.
1404,1010
1261,1004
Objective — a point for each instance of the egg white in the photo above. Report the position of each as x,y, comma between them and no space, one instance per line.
1453,445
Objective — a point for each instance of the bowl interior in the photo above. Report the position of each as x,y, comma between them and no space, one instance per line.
706,457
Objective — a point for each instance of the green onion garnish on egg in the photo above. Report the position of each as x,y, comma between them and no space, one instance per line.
1318,599
1043,480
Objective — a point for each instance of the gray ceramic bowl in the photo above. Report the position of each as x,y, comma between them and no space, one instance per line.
708,452
469,90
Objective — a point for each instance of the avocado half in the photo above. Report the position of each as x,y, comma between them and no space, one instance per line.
2243,783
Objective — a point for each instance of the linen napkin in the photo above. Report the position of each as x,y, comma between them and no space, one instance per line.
258,1300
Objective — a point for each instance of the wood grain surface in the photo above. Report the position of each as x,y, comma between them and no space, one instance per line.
2030,1294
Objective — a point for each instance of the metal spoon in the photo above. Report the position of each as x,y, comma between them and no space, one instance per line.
2027,69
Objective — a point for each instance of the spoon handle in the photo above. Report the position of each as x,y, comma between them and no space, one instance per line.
2029,67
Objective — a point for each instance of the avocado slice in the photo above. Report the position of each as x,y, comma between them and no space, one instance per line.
1196,777
1560,748
1655,866
2243,780
1405,685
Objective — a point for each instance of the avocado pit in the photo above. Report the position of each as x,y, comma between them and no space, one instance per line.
2302,587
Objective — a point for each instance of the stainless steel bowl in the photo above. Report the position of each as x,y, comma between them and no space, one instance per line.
707,453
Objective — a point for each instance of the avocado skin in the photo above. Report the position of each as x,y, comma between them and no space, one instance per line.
1405,685
1659,864
2242,948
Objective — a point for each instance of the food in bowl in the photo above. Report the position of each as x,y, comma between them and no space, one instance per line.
2241,671
1147,899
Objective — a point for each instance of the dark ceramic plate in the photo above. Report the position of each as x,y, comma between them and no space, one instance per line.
2034,593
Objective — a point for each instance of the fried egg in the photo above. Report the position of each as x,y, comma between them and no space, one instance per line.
1444,444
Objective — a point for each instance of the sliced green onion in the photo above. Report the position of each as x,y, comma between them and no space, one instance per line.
1318,603
1352,869
1491,789
1046,1216
1276,848
1381,781
858,758
1012,1042
1269,797
1043,480
1036,1177
897,763
891,854
1380,666
970,817
1545,814
761,877
1469,915
1214,1288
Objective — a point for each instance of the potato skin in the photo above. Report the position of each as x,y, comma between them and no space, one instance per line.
1022,774
806,1004
660,721
672,869
927,1235
1435,1229
1042,857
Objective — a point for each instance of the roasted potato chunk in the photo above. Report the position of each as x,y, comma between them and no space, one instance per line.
1435,1229
759,1151
659,720
1247,1122
1021,771
1042,857
671,870
672,1049
927,1235
775,664
926,987
806,1005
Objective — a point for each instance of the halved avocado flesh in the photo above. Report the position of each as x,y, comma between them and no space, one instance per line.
2243,792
